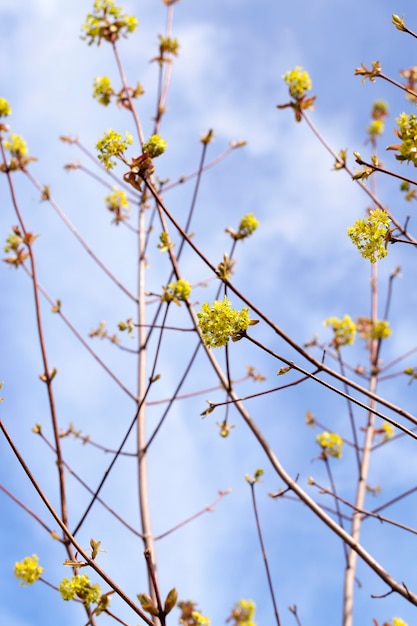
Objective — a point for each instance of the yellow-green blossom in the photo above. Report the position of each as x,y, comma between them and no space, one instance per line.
372,329
331,444
248,225
167,46
112,146
200,620
389,431
16,145
118,203
370,235
102,90
397,621
5,109
218,323
28,570
154,147
79,586
179,290
344,330
375,128
381,330
243,613
298,81
407,133
107,22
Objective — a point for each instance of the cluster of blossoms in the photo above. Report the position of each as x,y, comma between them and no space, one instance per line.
107,22
79,586
243,613
407,133
298,81
28,570
388,431
369,329
218,323
5,109
18,244
167,46
344,330
371,234
111,146
15,144
154,147
248,225
118,203
102,90
200,620
331,444
379,112
176,291
397,621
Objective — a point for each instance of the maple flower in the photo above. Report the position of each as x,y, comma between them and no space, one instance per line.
28,570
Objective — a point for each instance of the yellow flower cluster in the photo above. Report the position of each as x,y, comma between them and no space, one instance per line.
376,127
102,90
118,203
107,22
248,225
218,323
243,613
331,444
154,147
112,146
368,329
389,431
79,586
344,330
407,133
28,570
179,290
298,81
200,620
5,109
397,621
371,234
16,145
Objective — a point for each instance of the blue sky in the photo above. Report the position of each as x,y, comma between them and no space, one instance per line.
300,268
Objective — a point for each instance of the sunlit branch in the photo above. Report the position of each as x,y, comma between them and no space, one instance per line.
70,537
